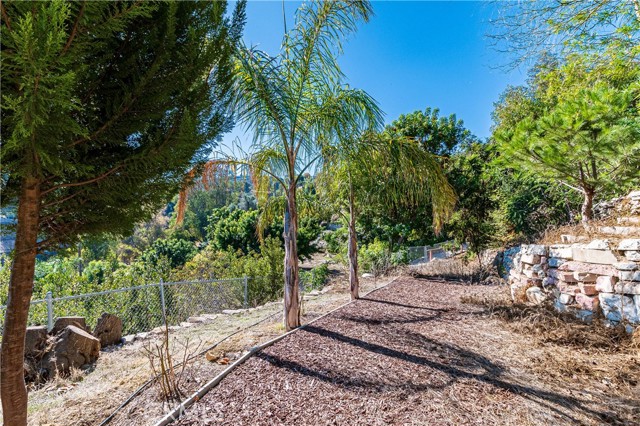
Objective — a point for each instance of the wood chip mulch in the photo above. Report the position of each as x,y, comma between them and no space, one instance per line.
408,354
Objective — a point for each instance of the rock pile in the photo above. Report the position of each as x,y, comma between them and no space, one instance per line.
598,277
68,345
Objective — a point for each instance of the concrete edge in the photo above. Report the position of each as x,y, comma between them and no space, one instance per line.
181,409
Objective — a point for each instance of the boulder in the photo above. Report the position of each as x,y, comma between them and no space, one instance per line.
73,348
108,330
629,244
535,295
35,341
587,303
62,323
617,307
605,283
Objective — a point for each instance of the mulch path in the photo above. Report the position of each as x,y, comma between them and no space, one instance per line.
408,354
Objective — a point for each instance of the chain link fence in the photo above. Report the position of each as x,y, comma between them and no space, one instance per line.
142,308
424,254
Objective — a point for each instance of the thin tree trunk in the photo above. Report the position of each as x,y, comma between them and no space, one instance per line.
13,391
587,206
353,248
291,276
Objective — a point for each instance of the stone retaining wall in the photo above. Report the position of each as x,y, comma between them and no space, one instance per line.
589,279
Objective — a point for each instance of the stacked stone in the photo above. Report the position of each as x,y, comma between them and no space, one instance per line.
528,273
584,278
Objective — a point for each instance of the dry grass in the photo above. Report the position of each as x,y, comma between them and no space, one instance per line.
592,232
587,354
458,268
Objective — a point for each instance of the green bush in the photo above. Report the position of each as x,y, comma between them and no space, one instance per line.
177,251
336,240
316,278
374,257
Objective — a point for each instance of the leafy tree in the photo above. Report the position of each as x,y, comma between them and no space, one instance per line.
295,104
586,142
106,105
471,222
178,252
232,228
438,135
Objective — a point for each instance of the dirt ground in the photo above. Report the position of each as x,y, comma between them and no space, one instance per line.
90,397
413,354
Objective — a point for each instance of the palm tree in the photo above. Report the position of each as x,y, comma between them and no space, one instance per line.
296,106
384,170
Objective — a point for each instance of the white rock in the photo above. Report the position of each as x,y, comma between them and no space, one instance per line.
629,244
598,245
565,299
534,249
606,283
535,295
530,259
618,307
633,255
625,275
626,266
627,287
561,251
367,275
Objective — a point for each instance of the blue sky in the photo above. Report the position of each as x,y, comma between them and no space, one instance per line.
411,55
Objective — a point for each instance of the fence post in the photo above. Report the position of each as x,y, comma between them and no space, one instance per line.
164,307
425,252
49,299
246,292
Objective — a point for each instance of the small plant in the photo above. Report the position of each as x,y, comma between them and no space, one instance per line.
169,375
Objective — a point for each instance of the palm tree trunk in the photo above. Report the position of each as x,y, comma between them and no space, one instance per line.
291,276
13,391
353,247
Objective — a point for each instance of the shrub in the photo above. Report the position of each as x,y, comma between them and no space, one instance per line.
316,278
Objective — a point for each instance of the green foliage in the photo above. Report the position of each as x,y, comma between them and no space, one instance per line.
178,252
376,258
336,240
231,228
265,269
467,172
106,105
437,135
316,278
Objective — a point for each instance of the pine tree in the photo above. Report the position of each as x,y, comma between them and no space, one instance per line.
105,107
